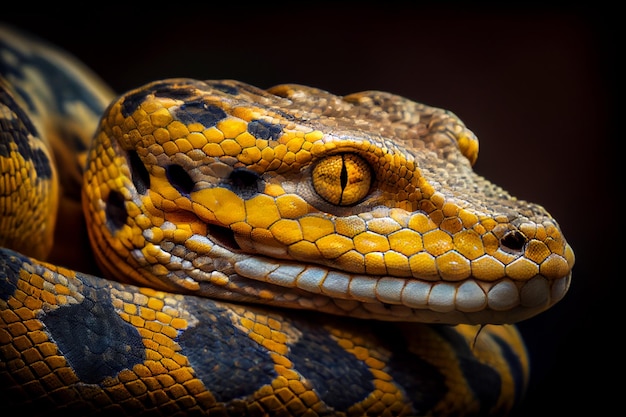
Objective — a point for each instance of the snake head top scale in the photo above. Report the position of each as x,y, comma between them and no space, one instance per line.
362,205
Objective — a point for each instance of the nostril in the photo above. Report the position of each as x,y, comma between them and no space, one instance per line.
514,239
180,179
224,236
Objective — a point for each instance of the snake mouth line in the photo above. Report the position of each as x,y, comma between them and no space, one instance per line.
468,296
256,278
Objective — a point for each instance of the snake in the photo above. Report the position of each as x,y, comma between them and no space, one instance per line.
208,247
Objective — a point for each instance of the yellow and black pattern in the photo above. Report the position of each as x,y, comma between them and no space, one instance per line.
50,106
211,187
280,252
29,181
78,343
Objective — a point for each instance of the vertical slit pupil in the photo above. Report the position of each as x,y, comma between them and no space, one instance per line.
343,176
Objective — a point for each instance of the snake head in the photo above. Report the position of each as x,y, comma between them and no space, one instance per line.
364,205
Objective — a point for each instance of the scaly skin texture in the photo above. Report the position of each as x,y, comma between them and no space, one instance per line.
296,197
77,343
281,252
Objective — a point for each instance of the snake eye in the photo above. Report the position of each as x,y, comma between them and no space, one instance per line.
342,179
180,179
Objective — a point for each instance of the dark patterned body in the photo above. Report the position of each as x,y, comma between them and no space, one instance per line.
77,343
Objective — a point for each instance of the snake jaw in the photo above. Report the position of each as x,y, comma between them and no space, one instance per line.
210,269
392,298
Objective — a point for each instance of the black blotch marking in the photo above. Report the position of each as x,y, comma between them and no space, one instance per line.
133,101
17,131
42,164
224,88
177,91
13,132
180,179
95,341
115,211
224,236
264,130
7,99
515,366
11,263
285,115
422,382
65,87
6,69
139,173
219,352
244,182
165,88
197,111
484,381
514,240
337,376
27,98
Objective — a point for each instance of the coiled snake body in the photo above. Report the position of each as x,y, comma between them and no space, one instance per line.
283,252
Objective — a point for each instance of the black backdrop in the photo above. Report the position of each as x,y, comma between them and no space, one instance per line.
536,84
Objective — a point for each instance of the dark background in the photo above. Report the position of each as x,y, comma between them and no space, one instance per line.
536,84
